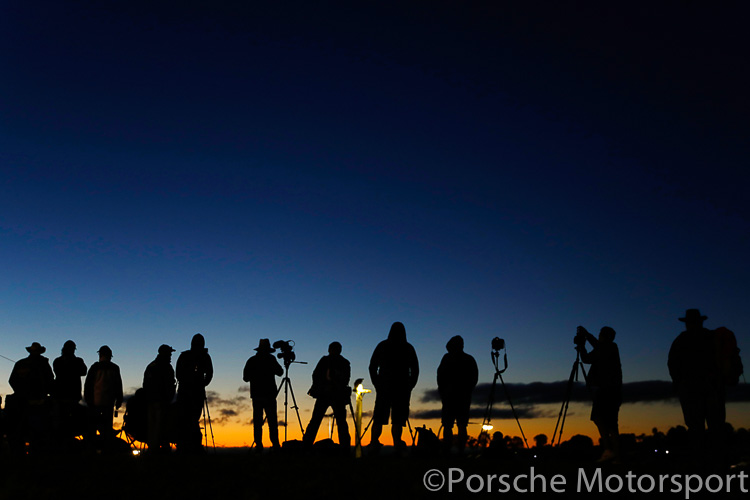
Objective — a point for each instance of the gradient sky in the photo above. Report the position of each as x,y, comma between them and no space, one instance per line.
317,171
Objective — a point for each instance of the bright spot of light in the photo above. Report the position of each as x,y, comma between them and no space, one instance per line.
487,427
136,453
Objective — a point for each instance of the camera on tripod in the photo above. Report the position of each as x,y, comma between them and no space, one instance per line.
580,339
498,344
287,351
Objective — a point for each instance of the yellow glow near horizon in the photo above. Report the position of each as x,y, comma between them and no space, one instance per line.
634,419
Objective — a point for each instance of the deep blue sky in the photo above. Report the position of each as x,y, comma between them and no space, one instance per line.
317,171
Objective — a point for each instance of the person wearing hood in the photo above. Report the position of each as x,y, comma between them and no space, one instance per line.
159,389
394,370
457,376
194,372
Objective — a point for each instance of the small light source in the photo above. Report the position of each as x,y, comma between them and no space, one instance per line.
487,427
667,452
136,453
361,390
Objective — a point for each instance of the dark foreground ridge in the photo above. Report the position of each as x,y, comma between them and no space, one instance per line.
237,474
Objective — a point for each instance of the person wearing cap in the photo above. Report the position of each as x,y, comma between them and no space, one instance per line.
261,371
605,383
102,391
697,379
330,388
68,369
159,391
194,372
457,375
394,370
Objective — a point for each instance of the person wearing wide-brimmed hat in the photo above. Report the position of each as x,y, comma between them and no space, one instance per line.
697,379
261,371
32,378
32,381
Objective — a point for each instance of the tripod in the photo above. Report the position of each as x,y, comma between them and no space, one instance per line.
286,383
566,401
498,375
207,415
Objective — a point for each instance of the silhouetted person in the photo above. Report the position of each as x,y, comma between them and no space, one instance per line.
194,372
159,390
32,381
69,369
261,371
605,383
102,392
457,376
330,387
394,370
32,378
698,381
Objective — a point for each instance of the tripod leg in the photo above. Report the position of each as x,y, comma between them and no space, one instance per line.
490,402
566,402
296,408
512,409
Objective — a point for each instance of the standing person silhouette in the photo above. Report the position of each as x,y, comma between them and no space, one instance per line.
261,371
194,372
331,388
159,389
32,382
457,376
69,369
394,370
605,382
102,392
697,379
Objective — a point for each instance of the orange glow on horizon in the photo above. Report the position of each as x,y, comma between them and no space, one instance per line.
634,419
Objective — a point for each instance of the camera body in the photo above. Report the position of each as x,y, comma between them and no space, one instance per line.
286,348
498,344
580,339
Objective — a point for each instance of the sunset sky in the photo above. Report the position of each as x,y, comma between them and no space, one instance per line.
317,171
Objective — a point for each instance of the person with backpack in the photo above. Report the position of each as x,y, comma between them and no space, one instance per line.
330,388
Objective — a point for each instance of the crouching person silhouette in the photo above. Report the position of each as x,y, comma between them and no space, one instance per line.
330,387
